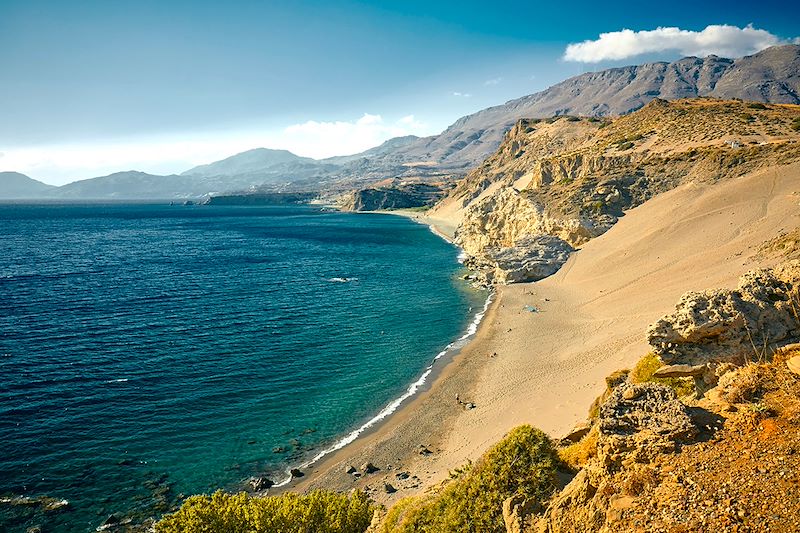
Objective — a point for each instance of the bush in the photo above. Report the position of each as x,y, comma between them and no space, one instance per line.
317,512
756,105
647,366
524,463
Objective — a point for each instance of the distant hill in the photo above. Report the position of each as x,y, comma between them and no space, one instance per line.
257,160
130,184
387,147
16,186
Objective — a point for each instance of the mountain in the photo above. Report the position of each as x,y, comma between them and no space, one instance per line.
251,161
772,75
130,184
556,183
16,186
387,147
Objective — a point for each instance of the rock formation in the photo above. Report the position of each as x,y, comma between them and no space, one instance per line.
732,325
572,178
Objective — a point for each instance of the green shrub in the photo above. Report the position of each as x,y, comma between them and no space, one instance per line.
315,512
756,105
524,462
647,366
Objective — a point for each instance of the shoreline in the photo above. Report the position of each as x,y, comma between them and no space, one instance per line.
397,410
544,368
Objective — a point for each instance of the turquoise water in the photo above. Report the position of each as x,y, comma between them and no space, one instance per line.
148,352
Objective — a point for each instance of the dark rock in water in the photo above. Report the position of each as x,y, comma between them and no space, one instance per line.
278,449
369,468
46,503
388,488
260,483
309,431
124,462
112,520
296,472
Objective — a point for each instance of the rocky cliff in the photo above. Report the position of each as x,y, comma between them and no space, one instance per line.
392,196
700,451
572,178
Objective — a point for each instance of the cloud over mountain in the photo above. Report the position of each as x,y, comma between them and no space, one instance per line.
722,40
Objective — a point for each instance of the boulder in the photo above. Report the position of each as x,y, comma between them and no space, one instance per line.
296,472
577,433
388,488
531,258
645,407
731,325
369,468
260,483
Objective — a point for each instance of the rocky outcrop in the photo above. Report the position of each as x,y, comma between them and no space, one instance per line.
636,423
529,259
732,325
572,178
397,197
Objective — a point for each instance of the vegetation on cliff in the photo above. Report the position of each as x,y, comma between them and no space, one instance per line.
523,465
318,512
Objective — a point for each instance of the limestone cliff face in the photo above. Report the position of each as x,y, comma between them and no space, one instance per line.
572,178
395,196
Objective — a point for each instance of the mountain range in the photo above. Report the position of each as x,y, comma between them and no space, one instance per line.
772,75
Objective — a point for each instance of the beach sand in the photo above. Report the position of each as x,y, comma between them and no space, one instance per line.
590,321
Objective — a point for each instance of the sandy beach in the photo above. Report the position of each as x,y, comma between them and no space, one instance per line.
544,368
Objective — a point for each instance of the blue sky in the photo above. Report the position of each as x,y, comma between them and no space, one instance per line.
92,87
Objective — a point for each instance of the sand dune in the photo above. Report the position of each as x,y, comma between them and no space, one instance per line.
591,320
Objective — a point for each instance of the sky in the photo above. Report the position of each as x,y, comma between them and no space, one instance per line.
89,88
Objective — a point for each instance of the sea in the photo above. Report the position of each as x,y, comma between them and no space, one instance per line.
152,351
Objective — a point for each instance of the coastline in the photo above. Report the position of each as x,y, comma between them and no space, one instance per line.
544,368
398,413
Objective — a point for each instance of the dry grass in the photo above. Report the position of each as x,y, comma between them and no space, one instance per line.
578,454
747,383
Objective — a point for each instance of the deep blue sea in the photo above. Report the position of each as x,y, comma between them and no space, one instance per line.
153,351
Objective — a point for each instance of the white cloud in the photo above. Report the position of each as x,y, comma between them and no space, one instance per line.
721,40
62,163
462,95
493,81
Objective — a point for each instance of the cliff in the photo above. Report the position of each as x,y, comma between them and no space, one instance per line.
572,178
400,196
